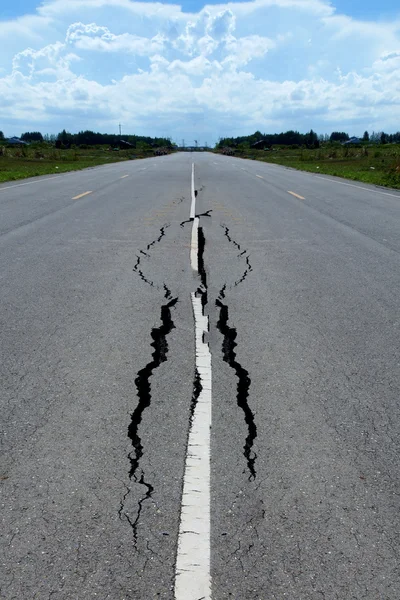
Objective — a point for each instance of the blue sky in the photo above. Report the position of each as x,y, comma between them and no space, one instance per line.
363,9
194,71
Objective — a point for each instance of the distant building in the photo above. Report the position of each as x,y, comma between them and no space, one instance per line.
14,141
353,140
260,145
125,145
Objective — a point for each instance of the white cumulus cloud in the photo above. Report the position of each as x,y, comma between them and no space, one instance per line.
229,69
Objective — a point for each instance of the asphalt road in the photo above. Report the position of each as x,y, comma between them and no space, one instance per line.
299,276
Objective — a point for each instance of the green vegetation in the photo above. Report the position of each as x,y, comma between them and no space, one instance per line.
376,163
19,162
91,138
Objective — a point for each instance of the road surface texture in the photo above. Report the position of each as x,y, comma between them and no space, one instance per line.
122,289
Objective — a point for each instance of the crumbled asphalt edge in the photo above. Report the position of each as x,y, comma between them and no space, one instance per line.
243,386
143,387
243,253
197,389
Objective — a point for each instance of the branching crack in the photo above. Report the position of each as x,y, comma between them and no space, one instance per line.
143,387
243,385
160,237
243,253
204,214
137,267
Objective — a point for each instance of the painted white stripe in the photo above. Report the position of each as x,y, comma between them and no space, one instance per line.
193,572
193,204
358,187
193,561
194,246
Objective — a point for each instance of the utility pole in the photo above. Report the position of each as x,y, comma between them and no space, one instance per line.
195,143
120,130
183,143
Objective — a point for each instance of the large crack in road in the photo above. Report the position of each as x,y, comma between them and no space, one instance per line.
243,385
229,355
143,387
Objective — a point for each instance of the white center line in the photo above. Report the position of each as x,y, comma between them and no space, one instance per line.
194,245
193,561
193,204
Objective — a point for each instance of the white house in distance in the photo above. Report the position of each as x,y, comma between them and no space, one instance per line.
14,141
353,140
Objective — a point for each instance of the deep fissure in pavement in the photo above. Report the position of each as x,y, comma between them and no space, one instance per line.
197,389
142,381
143,387
202,290
243,386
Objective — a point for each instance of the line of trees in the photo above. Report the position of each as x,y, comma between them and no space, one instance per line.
91,138
288,138
375,136
32,136
310,139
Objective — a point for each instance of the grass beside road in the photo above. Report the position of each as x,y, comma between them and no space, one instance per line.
30,161
378,164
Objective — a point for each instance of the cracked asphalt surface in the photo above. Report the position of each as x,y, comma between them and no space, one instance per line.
98,380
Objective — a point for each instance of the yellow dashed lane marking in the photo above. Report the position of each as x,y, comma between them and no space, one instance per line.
296,195
81,195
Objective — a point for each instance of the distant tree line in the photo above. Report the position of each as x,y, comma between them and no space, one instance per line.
32,136
310,139
91,138
285,139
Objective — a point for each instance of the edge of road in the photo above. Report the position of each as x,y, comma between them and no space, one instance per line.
333,178
48,176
